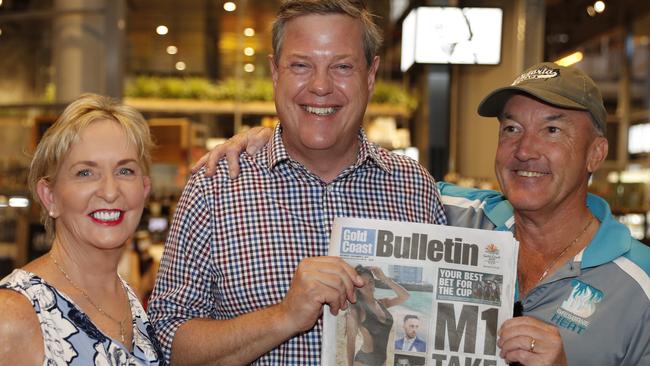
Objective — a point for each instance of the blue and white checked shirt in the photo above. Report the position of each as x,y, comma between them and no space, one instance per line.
234,245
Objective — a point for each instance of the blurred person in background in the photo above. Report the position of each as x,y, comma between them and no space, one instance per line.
70,307
370,318
583,281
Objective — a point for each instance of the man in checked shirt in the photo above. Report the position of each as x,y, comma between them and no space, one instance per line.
245,275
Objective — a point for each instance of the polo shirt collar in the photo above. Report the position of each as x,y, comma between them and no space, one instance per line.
612,238
277,153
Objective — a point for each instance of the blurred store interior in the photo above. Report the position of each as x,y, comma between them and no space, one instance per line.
197,69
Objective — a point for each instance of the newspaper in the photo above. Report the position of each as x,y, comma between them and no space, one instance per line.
436,296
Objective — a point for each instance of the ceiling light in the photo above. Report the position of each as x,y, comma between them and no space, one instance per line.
0,31
249,51
591,11
162,30
180,66
172,50
249,67
249,32
0,2
570,60
229,6
18,202
599,6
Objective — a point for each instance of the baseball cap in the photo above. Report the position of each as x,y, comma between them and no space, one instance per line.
559,86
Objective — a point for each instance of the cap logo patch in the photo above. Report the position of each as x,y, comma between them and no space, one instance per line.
543,72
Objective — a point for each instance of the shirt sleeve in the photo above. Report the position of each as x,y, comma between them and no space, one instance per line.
183,289
475,208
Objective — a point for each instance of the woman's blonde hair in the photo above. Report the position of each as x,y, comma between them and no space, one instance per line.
57,140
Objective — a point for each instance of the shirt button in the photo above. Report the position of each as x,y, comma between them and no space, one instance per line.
329,189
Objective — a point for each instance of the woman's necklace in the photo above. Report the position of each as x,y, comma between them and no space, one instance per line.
557,258
85,295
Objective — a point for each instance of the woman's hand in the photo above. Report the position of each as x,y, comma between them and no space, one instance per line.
378,273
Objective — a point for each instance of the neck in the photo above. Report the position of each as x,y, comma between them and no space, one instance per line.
547,232
93,270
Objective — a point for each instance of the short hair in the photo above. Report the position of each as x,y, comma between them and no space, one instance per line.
57,140
410,316
290,9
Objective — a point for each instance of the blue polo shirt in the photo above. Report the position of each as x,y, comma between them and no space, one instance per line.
599,300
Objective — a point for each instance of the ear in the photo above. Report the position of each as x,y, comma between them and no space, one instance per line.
146,181
46,195
274,71
597,153
372,74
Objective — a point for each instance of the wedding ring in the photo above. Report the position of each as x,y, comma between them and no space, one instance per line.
531,348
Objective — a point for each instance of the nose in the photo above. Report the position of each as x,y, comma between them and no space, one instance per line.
108,188
321,82
527,147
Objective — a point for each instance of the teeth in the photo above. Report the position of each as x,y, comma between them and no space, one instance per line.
106,215
320,111
525,173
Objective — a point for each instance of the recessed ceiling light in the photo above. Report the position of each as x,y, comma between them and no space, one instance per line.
180,66
172,50
249,51
162,30
599,6
249,67
249,32
229,6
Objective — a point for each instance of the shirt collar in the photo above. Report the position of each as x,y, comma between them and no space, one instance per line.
612,239
277,153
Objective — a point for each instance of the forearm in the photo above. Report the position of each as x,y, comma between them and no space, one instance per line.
401,292
237,341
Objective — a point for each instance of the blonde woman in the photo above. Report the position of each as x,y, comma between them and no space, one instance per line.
69,307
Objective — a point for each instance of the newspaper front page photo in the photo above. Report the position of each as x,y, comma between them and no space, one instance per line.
433,295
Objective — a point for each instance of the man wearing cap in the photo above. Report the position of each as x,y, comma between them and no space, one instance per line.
583,280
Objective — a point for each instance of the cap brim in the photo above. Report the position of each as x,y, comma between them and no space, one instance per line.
492,105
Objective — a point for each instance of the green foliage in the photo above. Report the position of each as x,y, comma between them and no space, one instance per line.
394,94
243,90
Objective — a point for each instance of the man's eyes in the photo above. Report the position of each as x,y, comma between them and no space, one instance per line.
553,129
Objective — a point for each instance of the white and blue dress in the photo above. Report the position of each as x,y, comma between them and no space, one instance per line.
71,338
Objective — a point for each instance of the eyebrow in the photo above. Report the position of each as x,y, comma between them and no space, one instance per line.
302,56
94,164
556,117
550,118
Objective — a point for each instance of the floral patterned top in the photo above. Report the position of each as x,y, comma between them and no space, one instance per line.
70,337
